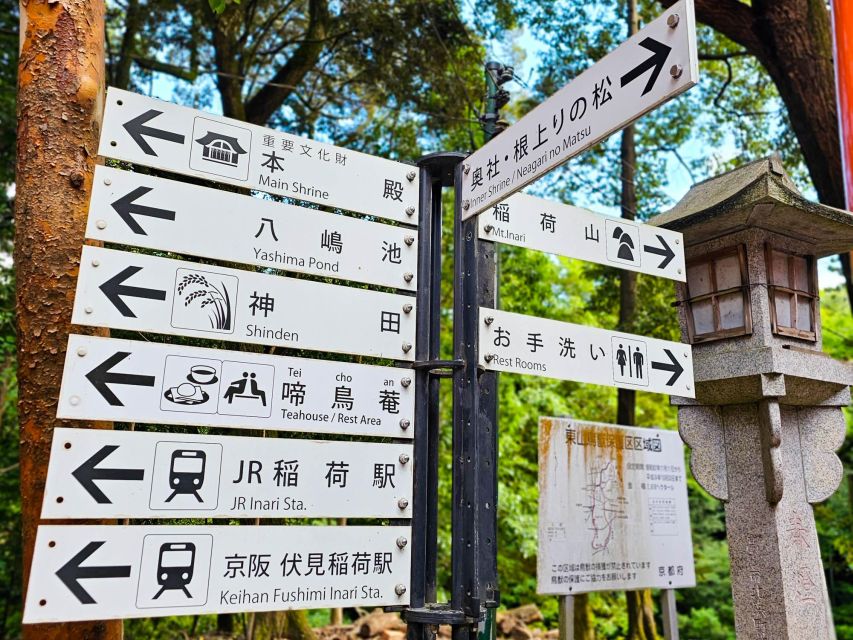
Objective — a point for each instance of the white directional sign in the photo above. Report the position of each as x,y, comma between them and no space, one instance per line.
525,344
654,65
535,223
102,572
613,511
95,473
166,136
144,211
149,382
146,293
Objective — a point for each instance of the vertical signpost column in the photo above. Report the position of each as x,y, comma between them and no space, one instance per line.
436,172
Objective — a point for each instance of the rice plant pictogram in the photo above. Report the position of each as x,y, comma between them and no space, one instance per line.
196,289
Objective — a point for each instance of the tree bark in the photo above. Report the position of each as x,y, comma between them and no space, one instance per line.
642,626
641,621
793,41
124,58
60,100
583,618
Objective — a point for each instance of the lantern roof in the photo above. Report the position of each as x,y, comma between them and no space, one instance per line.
761,195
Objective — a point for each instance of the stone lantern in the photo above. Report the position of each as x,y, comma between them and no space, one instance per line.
767,418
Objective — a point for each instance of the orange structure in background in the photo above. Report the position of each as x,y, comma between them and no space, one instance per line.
842,14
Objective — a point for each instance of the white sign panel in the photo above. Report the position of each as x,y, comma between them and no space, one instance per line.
144,211
651,67
613,511
535,223
166,136
96,473
525,344
147,293
151,382
103,572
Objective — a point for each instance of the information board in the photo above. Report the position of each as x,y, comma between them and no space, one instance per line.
544,225
613,511
162,135
82,572
139,292
151,382
97,473
143,211
526,344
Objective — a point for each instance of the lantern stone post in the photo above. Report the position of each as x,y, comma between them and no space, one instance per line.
767,418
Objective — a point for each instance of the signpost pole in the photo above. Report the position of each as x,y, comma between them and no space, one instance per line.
669,614
436,173
465,523
487,428
567,617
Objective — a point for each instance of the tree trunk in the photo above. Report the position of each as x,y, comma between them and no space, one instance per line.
641,626
583,618
60,100
123,61
292,625
641,621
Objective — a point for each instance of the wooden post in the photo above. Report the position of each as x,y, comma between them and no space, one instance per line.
60,100
567,617
669,614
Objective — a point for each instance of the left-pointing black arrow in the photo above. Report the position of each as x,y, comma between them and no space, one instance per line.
660,52
71,572
664,250
114,289
88,472
103,375
127,207
138,129
673,366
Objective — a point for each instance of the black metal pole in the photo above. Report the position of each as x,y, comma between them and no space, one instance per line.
436,172
487,268
465,545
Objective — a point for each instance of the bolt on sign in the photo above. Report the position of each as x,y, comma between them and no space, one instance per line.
84,572
613,510
155,383
536,223
161,135
132,474
525,344
650,68
147,293
143,211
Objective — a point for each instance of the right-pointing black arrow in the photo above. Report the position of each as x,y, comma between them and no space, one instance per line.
102,375
127,207
660,52
114,289
88,472
138,129
71,572
673,366
664,250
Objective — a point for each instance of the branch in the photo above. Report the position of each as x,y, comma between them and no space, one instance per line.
163,67
723,56
267,101
732,18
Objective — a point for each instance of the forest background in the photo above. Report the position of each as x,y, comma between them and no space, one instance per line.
402,78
